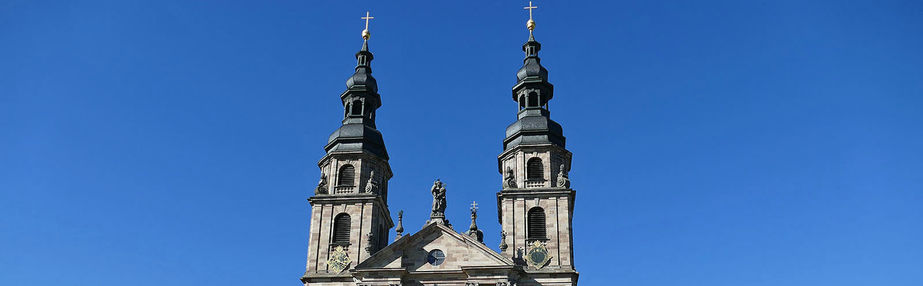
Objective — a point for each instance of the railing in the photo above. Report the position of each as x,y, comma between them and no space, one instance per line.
343,189
535,183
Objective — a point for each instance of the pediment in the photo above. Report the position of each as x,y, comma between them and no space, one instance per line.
410,252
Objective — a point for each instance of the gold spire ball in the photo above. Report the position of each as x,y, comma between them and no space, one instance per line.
365,33
531,23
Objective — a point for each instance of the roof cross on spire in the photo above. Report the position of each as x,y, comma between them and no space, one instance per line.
365,33
531,23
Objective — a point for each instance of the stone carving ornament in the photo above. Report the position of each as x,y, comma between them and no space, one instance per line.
339,260
538,254
371,186
509,181
563,180
370,237
322,185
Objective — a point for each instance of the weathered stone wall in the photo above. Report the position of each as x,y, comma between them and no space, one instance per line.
365,216
557,211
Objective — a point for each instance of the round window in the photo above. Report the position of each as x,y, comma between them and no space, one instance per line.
435,257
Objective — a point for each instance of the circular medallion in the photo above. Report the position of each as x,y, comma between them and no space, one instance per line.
435,257
537,256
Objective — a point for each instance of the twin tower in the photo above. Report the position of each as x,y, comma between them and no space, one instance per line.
351,222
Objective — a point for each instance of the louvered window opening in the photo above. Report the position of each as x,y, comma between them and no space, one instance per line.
341,229
536,223
535,170
346,176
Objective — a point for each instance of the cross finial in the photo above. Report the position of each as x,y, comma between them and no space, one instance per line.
474,206
365,33
530,24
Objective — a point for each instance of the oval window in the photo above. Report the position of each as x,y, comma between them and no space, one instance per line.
435,257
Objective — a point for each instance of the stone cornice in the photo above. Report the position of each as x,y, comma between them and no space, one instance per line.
354,198
326,277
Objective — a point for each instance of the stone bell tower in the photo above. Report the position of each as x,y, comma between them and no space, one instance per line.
350,220
536,202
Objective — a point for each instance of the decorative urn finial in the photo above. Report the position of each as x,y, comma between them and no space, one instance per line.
400,225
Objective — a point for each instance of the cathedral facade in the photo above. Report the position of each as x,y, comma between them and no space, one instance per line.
350,220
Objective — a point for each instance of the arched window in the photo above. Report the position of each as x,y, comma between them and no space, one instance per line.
535,170
357,107
341,229
522,102
536,223
347,176
533,99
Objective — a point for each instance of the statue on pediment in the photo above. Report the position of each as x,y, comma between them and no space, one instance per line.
438,191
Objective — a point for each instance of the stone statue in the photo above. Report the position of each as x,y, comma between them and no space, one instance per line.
509,181
370,237
563,181
371,186
438,191
322,185
503,245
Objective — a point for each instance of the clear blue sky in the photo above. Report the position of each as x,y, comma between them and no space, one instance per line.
715,142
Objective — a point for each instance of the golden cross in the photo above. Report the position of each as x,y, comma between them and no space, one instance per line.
365,33
474,206
367,18
530,7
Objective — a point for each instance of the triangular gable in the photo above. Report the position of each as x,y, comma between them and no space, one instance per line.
410,252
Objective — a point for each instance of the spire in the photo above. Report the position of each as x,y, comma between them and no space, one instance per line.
473,230
363,76
360,102
363,79
531,68
532,92
474,217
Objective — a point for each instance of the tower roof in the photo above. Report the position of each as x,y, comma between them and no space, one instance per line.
533,91
362,79
532,68
360,101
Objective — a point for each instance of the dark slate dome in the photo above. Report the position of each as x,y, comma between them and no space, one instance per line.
363,75
531,68
533,130
361,78
356,137
531,65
